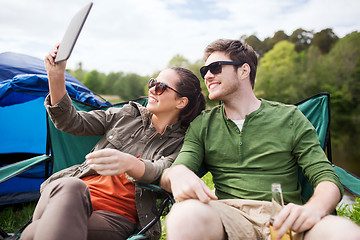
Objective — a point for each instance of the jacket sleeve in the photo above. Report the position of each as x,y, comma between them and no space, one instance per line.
160,153
67,119
154,169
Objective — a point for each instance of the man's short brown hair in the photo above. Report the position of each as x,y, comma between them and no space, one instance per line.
237,51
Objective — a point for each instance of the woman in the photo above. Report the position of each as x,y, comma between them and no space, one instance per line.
98,199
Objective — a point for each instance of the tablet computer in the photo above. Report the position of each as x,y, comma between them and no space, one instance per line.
72,33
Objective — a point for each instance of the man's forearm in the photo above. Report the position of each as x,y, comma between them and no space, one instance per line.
326,196
185,184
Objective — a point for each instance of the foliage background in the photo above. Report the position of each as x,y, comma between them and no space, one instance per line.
291,68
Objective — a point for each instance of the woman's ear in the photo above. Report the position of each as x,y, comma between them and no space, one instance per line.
182,102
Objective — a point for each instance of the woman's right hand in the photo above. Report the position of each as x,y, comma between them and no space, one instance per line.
56,76
53,68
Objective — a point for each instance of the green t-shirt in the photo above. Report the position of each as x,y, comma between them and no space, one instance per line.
275,140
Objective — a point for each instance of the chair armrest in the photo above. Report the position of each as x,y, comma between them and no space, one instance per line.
167,201
15,169
157,189
350,181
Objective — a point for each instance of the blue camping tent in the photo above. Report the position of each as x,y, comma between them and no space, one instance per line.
23,88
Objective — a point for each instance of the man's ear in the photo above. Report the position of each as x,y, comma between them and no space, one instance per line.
182,102
244,71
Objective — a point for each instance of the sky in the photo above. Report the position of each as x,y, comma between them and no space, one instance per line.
141,36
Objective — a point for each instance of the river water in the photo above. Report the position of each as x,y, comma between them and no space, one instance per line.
345,139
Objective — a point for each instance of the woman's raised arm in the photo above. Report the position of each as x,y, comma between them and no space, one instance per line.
56,75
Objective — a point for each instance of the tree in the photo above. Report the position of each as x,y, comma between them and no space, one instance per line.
311,70
301,38
110,81
324,40
278,37
276,78
267,45
78,73
355,87
179,61
131,86
256,44
93,82
343,63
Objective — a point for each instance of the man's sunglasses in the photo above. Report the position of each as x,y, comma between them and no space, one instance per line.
160,87
216,67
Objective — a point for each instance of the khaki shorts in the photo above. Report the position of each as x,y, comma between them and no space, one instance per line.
246,219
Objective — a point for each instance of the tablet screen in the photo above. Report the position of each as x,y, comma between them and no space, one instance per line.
72,33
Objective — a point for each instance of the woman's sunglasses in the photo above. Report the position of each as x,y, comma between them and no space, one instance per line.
160,87
216,67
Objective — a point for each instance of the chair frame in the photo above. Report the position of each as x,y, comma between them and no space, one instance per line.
48,158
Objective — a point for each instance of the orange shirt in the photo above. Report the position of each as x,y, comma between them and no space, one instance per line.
114,194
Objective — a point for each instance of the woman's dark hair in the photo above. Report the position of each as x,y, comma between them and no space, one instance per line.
189,86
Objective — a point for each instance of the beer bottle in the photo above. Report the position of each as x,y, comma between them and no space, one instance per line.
277,204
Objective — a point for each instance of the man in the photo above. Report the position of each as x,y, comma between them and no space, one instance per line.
248,144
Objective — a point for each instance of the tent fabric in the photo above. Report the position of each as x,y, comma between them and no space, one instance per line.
23,130
13,64
16,64
24,126
27,87
21,102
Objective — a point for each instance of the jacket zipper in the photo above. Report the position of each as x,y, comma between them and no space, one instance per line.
150,138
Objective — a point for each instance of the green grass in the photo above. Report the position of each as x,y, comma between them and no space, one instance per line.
112,98
14,217
207,178
350,211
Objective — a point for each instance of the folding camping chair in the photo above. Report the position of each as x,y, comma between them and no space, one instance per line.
65,150
23,123
317,110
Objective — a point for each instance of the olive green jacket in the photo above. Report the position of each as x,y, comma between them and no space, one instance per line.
128,129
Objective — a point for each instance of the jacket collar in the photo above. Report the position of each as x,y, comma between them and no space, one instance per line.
174,130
